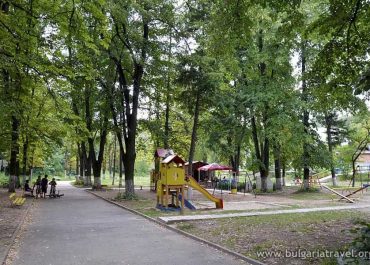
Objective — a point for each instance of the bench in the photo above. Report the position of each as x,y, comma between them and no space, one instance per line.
15,200
28,193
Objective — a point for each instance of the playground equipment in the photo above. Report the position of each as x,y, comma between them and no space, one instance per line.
169,178
195,185
364,187
337,193
315,180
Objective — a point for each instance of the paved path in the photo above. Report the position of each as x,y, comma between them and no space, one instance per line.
82,229
180,218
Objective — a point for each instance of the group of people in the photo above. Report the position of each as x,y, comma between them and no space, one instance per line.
41,186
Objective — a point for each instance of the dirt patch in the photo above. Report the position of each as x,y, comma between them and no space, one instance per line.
10,218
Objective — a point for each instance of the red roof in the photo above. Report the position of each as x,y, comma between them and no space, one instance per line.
173,158
214,166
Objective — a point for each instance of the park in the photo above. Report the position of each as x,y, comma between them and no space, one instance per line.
184,132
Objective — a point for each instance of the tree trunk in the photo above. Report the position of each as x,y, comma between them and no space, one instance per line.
97,163
88,172
306,124
88,118
194,133
77,175
120,170
329,123
104,170
235,158
25,159
167,122
167,114
265,161
277,161
263,175
129,173
86,165
284,172
14,152
114,159
110,162
129,107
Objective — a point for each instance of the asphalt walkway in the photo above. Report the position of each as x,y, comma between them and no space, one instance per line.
79,228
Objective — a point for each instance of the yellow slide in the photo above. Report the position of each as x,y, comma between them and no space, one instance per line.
195,185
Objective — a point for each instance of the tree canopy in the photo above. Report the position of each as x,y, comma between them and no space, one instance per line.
248,83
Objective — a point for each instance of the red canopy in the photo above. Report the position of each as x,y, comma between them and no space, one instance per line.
213,167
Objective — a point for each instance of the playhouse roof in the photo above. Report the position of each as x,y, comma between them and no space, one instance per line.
161,152
213,167
173,158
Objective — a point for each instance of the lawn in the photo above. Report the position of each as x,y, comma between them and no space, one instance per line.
250,236
4,180
139,181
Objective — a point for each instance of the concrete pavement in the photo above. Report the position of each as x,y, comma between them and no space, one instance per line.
82,229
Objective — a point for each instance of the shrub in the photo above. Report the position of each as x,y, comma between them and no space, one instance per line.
223,185
4,181
78,182
361,244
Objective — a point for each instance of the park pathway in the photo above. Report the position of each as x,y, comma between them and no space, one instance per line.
82,229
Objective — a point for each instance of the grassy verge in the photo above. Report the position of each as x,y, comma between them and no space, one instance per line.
252,235
4,180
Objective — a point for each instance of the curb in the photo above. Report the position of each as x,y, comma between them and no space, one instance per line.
15,234
201,240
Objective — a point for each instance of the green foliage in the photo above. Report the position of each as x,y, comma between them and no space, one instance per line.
360,245
78,183
123,196
68,66
4,180
362,241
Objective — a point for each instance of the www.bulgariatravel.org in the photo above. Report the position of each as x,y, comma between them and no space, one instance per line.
306,254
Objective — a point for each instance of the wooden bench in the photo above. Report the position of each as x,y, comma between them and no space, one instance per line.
15,200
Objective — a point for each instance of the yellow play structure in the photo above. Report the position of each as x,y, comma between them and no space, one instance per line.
170,180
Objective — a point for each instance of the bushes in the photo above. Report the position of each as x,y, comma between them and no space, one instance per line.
225,185
360,246
78,182
4,180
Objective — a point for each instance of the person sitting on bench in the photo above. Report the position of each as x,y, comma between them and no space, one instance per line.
27,187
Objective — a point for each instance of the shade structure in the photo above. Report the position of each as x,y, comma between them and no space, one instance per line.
214,167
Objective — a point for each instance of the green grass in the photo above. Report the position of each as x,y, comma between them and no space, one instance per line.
138,180
247,235
286,220
4,180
